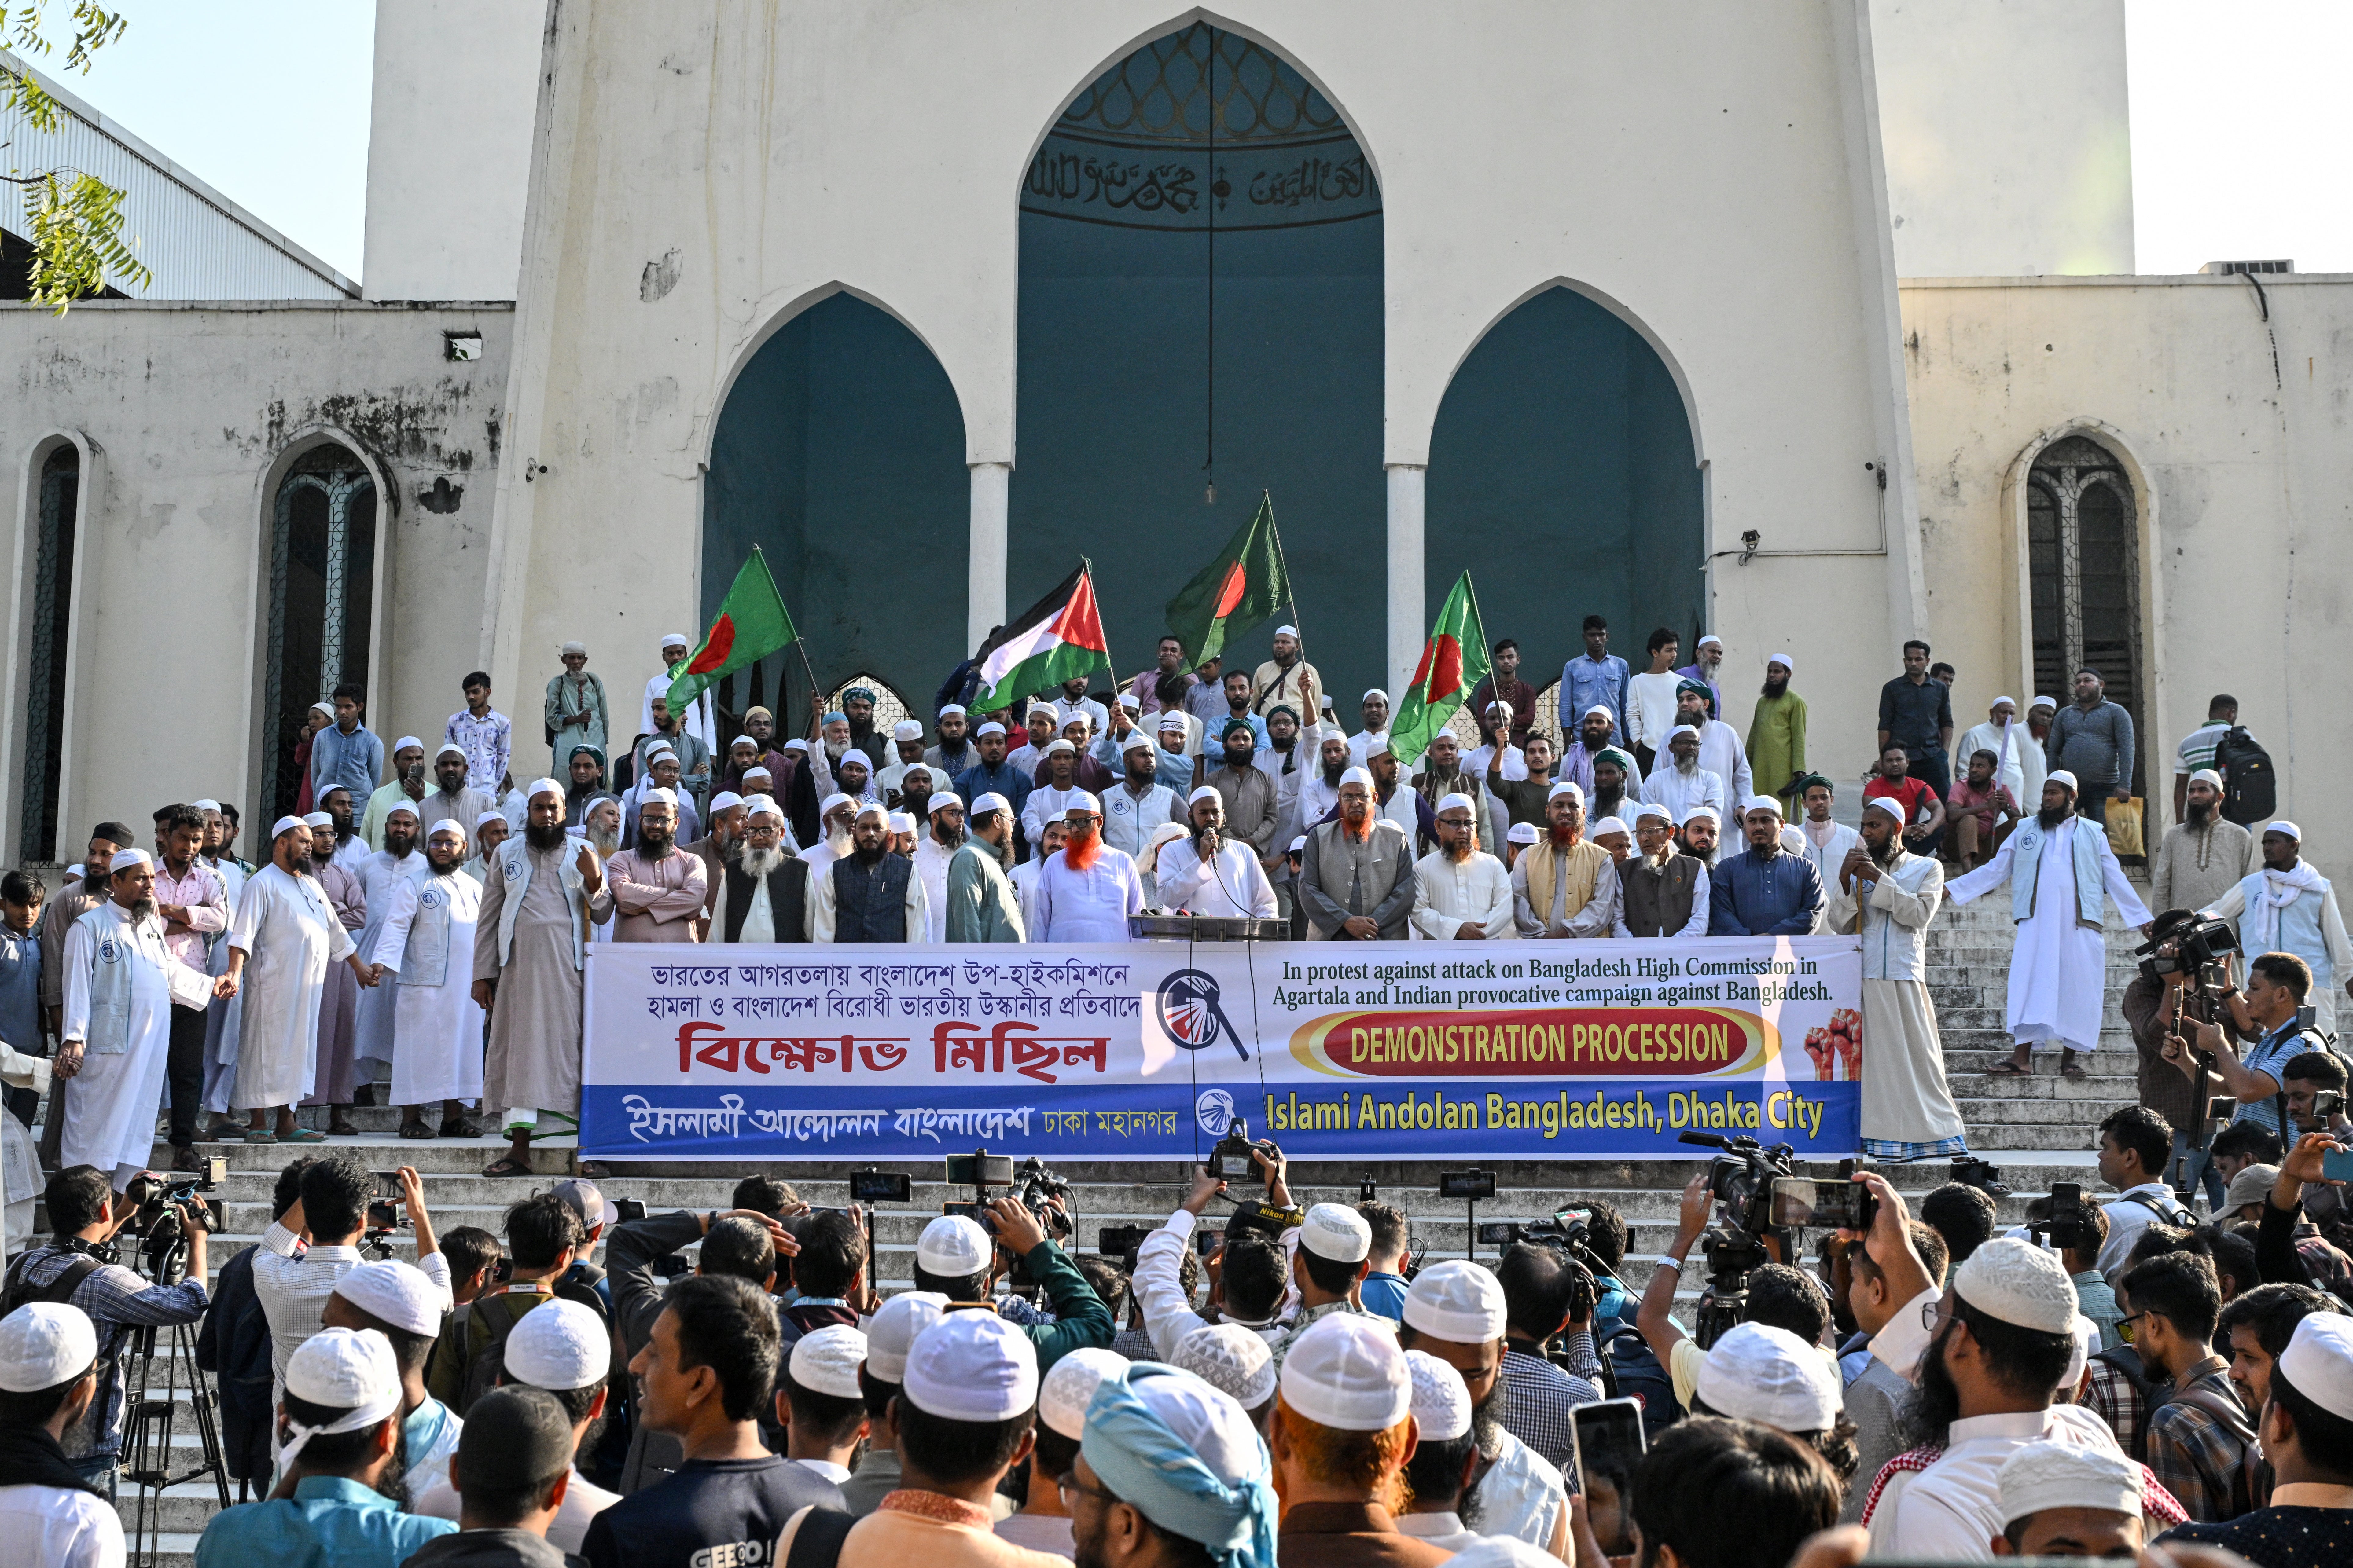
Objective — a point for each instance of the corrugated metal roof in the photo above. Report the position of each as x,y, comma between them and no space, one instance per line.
198,243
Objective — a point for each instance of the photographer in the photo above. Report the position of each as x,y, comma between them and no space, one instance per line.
1545,1293
1246,1277
1779,1295
2151,1004
1889,1279
543,1237
76,1269
956,1258
2277,985
315,1243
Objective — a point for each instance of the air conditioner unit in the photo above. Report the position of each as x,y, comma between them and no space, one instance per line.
2231,268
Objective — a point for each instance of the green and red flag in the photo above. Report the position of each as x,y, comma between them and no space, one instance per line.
1057,638
751,624
1237,591
1453,661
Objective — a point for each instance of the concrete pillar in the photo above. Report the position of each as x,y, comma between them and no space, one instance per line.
1406,631
985,594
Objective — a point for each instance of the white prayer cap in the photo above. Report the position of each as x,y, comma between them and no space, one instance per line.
486,817
675,639
657,795
212,805
1502,706
286,825
1286,631
1457,1301
2066,1475
1130,700
1441,1400
901,821
1883,803
761,806
559,1346
2207,777
1336,1232
893,1328
1598,708
1759,1372
873,808
351,1370
833,802
826,1360
1356,775
1785,661
1231,1357
450,749
661,749
1057,747
73,872
1610,825
400,1294
399,808
1710,637
1299,844
2285,828
2061,776
1376,691
1083,805
449,825
796,744
1651,808
907,729
1457,799
1204,792
43,1344
326,708
1691,729
1066,1391
126,859
972,1366
405,743
1569,787
2318,1363
539,787
954,708
2042,702
989,800
2087,1345
991,728
1761,802
572,648
1696,812
1137,741
1346,1371
1172,719
725,800
756,771
1521,833
1999,700
953,1246
2019,1282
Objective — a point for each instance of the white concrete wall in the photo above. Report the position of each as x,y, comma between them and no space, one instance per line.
189,413
2239,436
1711,171
2009,140
450,125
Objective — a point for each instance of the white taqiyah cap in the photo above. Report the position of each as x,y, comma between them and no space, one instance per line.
953,1246
405,743
1710,637
205,804
661,749
1601,709
796,744
1083,804
1696,812
326,708
1346,1371
1759,1372
1231,1357
2050,702
398,808
1883,802
833,802
400,1294
1457,1301
761,805
1610,825
483,819
873,808
1356,775
972,1366
2019,1282
1058,748
1691,729
1337,1232
1785,661
1130,700
73,872
991,728
1172,719
901,821
1373,693
893,1328
1569,787
742,741
1458,798
657,795
320,819
907,729
1761,802
826,1360
559,1346
2286,827
285,824
989,800
2207,777
1521,833
450,749
2318,1363
1651,808
1069,1387
44,1343
954,708
447,824
725,800
1999,700
542,786
126,859
2066,1475
675,639
1286,631
349,1370
2061,776
1204,792
1441,1400
1137,741
761,773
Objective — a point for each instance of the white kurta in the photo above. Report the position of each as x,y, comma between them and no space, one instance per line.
1952,1510
437,1024
289,935
1905,1098
1447,897
2309,925
1024,878
932,859
109,1105
2004,742
1091,905
379,876
1231,883
1678,791
1827,858
2058,967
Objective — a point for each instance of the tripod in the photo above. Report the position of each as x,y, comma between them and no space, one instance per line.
148,1418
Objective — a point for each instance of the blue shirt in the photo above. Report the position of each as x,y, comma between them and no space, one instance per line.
1383,1295
1587,683
20,990
1754,894
355,761
330,1522
1006,779
2269,1056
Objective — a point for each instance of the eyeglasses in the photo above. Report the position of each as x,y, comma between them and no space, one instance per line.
2124,1326
1066,1487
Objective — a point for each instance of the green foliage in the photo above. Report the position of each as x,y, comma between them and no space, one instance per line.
75,218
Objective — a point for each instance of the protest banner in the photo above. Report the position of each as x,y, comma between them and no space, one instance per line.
1146,1051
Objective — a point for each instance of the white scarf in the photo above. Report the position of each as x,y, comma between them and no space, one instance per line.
2279,889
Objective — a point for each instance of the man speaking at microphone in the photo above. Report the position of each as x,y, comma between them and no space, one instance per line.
1207,873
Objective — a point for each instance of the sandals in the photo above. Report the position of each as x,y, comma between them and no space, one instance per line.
506,1165
300,1135
458,1127
593,1170
2073,1071
416,1129
254,1136
342,1127
2007,1069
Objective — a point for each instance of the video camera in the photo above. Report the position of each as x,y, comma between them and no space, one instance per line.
160,1200
1741,1178
1982,1174
2201,948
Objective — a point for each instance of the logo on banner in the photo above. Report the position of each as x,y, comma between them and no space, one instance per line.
1192,1016
1215,1111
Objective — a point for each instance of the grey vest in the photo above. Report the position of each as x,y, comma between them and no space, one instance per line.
1354,875
1657,899
871,905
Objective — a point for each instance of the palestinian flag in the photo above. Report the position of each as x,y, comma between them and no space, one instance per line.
1453,662
1058,638
1237,591
751,624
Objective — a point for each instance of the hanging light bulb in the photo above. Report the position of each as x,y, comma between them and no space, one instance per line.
1211,498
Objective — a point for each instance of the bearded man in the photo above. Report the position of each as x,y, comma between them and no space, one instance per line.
1087,892
907,744
586,766
764,889
1613,770
1765,890
1024,877
727,831
1661,891
1701,832
833,841
1564,887
915,791
1777,732
380,874
345,845
983,905
1720,749
1319,792
1597,732
1888,896
654,891
935,846
338,1074
869,894
1356,876
1210,872
426,945
1461,892
1057,787
2204,855
1680,782
453,798
1441,773
954,751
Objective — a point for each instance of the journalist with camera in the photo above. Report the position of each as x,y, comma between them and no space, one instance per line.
2179,985
2272,1013
78,1267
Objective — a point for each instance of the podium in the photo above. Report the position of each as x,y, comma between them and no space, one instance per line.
1206,927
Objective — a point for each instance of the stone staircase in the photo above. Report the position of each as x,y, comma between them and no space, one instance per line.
2039,1130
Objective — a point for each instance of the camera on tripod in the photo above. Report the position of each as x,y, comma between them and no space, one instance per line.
163,1235
2200,948
1742,1178
1982,1174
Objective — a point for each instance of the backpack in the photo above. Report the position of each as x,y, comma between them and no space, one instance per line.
484,1366
21,1292
2250,786
1628,1371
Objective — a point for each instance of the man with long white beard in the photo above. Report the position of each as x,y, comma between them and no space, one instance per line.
1661,891
1356,876
936,844
833,839
869,894
764,891
2062,875
1888,896
120,982
1679,782
1086,892
1564,887
1209,873
2204,855
1461,892
1720,749
338,1074
426,944
652,892
982,903
379,875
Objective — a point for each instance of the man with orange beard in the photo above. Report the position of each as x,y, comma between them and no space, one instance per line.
1564,887
1086,892
1357,877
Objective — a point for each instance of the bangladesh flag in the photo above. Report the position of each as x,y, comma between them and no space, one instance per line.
1058,638
1234,593
751,624
1453,662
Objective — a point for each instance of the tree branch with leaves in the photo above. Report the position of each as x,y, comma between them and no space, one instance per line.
74,218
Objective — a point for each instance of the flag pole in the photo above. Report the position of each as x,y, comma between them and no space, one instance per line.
1266,499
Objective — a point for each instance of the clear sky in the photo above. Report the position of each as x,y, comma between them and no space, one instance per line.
2236,150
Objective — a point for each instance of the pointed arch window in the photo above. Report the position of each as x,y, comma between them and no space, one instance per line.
321,593
56,515
2083,573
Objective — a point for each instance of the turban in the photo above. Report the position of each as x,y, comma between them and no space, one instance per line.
1811,780
1695,685
1612,754
585,746
1185,1456
1233,724
1283,708
855,693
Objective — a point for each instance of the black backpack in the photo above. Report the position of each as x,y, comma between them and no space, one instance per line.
484,1367
2250,787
